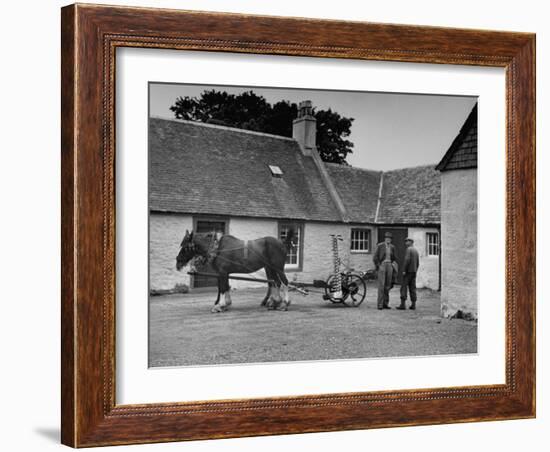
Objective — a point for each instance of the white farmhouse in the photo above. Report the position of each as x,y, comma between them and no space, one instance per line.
207,177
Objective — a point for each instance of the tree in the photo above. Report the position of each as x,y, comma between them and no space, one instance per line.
252,112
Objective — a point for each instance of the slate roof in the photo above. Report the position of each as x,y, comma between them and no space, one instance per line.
411,196
202,168
208,169
358,188
462,154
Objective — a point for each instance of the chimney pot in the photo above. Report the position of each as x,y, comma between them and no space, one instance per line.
304,128
305,109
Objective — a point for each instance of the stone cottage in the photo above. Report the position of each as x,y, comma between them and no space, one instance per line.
459,223
207,177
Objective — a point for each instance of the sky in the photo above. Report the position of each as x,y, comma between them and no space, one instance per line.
390,130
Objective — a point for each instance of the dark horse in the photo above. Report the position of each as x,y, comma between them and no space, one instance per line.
228,254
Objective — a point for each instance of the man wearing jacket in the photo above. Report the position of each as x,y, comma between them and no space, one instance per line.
410,267
383,258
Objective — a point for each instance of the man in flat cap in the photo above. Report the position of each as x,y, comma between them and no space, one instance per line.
383,259
410,267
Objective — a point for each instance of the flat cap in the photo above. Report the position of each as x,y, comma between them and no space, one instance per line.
388,234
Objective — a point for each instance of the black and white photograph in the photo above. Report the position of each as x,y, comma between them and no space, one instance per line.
298,225
251,226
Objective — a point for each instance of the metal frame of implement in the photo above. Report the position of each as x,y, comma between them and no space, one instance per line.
301,287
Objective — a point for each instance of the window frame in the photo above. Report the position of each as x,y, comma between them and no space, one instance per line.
300,249
369,240
437,244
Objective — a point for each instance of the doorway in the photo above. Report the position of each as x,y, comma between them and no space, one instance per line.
207,225
399,236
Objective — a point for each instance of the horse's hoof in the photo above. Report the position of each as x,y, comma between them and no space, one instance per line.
216,309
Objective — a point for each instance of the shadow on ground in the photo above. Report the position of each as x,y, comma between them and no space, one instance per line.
183,331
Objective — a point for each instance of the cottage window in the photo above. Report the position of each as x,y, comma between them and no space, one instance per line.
432,243
360,240
294,254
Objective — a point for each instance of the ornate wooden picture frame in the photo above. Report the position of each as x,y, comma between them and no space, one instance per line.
90,37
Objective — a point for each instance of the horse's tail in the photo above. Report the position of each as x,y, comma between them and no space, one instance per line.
289,239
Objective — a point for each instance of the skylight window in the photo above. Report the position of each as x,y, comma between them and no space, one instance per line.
275,171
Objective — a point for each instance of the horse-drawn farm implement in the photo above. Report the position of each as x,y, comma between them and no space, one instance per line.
346,287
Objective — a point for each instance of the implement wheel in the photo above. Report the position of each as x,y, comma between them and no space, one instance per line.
354,290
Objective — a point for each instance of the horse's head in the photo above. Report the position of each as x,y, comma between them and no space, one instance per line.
194,245
188,250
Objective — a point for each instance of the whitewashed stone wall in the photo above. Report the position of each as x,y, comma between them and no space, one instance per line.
167,230
318,260
459,243
165,234
428,272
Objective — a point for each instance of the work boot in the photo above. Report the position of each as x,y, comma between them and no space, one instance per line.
387,307
413,305
402,306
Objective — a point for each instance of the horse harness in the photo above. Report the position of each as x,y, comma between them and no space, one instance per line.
214,245
213,249
245,249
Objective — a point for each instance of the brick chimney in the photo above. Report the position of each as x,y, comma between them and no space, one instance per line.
304,128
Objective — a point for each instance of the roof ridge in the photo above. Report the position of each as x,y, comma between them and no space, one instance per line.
430,165
339,165
217,126
367,170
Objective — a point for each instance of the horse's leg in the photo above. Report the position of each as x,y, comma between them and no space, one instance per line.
227,293
264,301
219,291
278,258
275,299
224,297
284,288
269,275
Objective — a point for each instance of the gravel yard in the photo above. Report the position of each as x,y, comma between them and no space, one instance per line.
183,331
